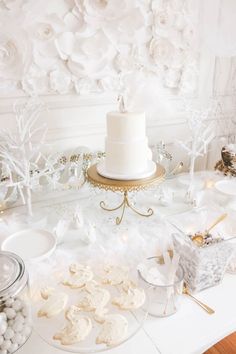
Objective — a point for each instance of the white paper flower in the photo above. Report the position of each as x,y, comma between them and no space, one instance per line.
44,31
172,78
36,82
85,85
97,11
132,28
74,21
162,20
161,51
12,4
60,81
14,54
180,21
109,83
86,57
43,34
124,62
44,8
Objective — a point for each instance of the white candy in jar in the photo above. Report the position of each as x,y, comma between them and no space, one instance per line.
9,333
20,318
17,305
6,344
3,316
11,313
13,348
14,325
4,351
17,326
3,326
17,338
15,317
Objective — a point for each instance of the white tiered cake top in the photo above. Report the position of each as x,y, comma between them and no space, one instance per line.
125,127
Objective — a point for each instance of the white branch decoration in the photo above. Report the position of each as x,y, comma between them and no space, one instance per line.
20,152
201,134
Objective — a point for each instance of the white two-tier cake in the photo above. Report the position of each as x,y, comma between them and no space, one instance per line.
127,153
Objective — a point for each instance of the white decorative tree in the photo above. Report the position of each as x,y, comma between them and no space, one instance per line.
201,129
20,151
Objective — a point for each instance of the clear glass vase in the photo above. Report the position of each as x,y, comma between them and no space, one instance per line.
163,300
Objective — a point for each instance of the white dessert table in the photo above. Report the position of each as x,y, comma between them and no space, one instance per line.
190,330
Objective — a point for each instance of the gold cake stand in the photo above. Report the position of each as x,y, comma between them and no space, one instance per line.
124,187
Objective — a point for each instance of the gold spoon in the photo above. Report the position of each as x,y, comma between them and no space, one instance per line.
198,239
209,310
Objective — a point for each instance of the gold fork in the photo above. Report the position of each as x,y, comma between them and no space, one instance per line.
209,310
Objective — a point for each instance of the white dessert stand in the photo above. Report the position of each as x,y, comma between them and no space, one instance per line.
124,187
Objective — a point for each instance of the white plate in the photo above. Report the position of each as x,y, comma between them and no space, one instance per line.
30,244
227,187
151,169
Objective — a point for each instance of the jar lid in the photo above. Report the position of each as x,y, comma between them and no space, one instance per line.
12,275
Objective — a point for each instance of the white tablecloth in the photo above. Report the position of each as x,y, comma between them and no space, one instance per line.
190,330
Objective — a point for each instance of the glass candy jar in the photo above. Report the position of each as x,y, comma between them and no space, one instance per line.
15,317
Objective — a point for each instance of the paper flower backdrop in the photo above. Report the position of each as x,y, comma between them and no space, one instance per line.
63,46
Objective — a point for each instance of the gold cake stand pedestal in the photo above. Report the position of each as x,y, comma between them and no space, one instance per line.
124,187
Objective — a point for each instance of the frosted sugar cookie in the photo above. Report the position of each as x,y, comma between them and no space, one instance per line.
74,332
53,305
131,299
115,275
73,314
79,276
113,330
96,298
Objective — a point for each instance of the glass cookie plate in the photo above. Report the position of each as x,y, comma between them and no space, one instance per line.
47,328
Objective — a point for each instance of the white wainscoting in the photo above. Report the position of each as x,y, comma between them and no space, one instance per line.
80,121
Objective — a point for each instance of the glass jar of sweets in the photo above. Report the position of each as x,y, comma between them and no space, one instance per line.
15,317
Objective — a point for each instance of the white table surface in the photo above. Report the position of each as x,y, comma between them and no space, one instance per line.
189,331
